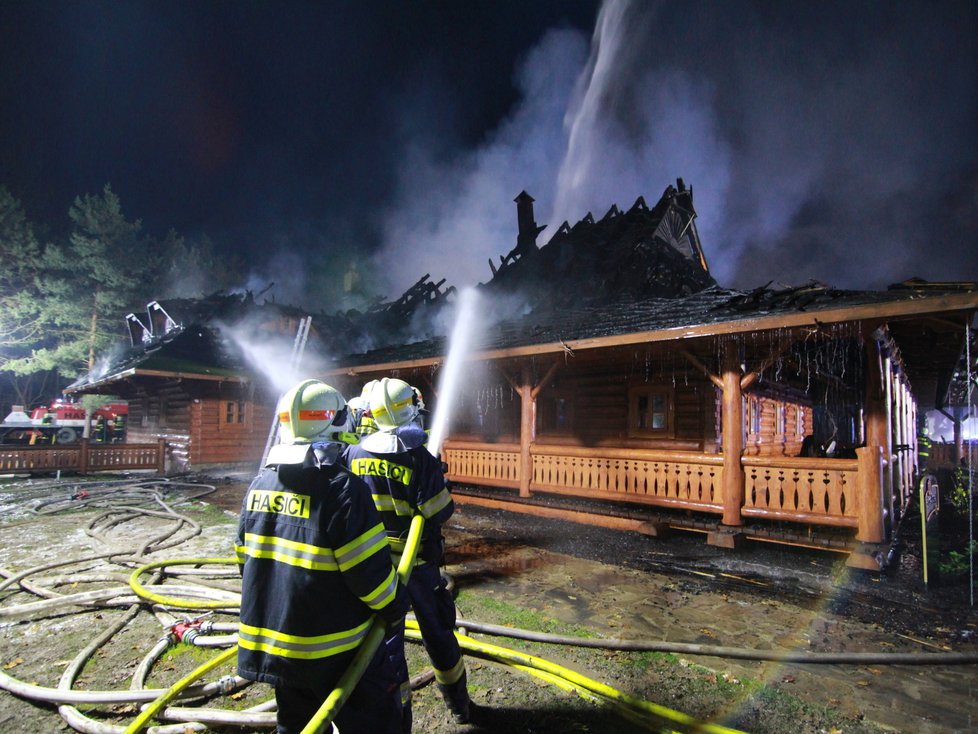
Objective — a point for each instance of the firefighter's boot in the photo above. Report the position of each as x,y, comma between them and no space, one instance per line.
456,697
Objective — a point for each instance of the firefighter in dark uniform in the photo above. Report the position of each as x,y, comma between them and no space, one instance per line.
363,420
404,478
316,567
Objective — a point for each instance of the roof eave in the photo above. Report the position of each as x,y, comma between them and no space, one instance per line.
944,303
136,372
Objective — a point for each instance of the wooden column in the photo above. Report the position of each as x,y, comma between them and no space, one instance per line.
958,440
733,438
897,442
870,489
161,456
528,422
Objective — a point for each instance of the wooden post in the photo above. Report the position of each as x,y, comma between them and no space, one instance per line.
527,429
870,489
733,438
897,428
958,451
869,511
83,460
161,456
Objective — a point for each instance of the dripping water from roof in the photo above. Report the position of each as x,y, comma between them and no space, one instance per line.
460,345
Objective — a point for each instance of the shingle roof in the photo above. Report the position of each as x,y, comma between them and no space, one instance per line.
671,318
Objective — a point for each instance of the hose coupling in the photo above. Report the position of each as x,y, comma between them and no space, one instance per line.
187,630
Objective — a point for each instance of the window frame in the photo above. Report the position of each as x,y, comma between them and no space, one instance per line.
649,392
550,405
234,412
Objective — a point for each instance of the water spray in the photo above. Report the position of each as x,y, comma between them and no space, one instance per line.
460,344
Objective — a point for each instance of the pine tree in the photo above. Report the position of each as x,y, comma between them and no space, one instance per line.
105,271
21,327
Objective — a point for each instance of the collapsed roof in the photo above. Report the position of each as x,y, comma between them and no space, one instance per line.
633,276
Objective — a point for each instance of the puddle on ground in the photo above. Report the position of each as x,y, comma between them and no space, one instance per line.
621,602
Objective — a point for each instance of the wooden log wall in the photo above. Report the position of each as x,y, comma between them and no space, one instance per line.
193,418
768,441
214,439
599,396
162,411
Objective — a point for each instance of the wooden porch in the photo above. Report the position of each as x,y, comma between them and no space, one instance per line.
83,457
839,494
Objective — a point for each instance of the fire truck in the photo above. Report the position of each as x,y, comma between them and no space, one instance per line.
63,422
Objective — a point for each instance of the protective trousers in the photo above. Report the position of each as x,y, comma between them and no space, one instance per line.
435,611
370,709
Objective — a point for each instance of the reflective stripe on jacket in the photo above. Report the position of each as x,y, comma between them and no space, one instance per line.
402,484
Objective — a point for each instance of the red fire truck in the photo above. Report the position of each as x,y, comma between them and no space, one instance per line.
64,422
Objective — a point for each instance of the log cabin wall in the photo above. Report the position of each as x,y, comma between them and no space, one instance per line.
607,405
229,425
162,411
595,405
775,427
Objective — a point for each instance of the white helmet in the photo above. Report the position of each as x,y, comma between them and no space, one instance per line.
310,412
393,403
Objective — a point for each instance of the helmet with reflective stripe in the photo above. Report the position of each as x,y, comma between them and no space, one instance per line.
393,403
365,392
311,411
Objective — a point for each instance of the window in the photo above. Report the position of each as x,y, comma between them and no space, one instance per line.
780,419
234,411
799,421
555,415
754,415
650,411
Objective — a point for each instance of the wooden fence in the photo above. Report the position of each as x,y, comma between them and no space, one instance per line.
814,491
83,457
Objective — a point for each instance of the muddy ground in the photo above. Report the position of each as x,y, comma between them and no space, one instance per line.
550,576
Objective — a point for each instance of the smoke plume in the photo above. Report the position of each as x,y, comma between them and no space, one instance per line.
824,141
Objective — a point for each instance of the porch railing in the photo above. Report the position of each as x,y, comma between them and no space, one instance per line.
807,490
83,457
801,489
677,479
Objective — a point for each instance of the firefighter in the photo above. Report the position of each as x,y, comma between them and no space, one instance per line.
118,428
404,478
99,432
316,567
363,421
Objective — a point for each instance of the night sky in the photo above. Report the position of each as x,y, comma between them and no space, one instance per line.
835,141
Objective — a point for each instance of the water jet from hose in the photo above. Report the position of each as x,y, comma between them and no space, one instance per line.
460,345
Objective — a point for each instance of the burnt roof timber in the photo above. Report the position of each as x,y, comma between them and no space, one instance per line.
137,372
925,305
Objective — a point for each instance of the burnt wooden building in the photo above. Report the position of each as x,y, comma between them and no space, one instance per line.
189,382
612,381
620,385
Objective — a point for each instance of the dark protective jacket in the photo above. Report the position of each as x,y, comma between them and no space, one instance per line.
401,484
316,566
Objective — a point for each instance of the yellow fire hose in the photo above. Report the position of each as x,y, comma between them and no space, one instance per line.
373,640
139,723
638,711
144,593
655,717
336,699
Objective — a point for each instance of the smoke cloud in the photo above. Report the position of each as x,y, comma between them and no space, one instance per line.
454,210
826,142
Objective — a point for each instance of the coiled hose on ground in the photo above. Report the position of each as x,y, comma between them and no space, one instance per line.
207,594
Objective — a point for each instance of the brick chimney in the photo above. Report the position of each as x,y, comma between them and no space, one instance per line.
526,240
